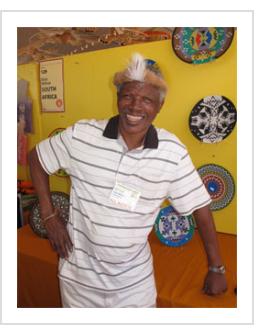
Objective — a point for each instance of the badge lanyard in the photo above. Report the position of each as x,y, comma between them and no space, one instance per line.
123,195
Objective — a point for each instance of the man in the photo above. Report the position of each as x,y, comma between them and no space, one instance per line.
121,171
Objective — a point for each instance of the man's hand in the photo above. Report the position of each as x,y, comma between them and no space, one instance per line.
58,236
56,230
215,283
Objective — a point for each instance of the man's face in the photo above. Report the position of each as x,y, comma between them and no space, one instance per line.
138,104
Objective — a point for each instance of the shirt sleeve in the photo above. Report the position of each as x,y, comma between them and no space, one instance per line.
187,192
54,153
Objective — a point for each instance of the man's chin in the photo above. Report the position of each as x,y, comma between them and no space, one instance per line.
134,129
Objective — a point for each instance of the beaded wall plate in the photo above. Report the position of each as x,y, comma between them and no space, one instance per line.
219,183
212,119
60,172
60,200
198,45
152,65
172,229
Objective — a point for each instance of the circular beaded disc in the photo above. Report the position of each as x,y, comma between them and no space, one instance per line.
212,119
172,229
60,200
201,44
219,183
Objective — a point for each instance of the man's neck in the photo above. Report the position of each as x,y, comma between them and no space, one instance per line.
133,141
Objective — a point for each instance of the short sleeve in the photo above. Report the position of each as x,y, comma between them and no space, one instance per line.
187,191
54,153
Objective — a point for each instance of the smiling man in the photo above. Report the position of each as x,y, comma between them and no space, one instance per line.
138,105
121,171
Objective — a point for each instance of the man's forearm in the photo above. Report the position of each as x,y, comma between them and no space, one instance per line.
206,227
40,180
56,229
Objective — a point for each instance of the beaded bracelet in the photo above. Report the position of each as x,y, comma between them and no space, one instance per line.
50,216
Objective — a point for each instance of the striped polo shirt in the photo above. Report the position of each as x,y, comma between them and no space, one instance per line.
111,251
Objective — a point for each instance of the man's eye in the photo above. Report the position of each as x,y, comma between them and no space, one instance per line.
126,96
147,100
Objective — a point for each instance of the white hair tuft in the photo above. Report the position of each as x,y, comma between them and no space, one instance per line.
137,67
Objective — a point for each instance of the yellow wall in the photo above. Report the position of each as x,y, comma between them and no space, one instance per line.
89,93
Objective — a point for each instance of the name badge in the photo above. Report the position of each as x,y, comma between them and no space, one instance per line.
125,196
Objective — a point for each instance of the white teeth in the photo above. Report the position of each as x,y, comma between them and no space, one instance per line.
134,118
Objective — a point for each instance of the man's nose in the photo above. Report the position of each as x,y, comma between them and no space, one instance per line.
135,104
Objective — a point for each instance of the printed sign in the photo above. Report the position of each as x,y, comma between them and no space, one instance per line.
51,86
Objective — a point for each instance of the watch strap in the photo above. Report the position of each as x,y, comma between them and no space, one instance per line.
217,269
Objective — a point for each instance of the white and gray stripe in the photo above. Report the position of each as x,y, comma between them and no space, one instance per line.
105,235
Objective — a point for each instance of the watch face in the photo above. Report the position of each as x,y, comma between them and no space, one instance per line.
172,229
60,200
198,45
219,184
212,119
221,269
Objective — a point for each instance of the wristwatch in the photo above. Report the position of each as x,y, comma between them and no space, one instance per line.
217,269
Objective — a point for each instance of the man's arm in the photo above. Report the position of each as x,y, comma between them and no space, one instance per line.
215,283
57,232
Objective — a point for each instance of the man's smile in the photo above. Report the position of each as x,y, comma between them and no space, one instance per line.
134,119
138,105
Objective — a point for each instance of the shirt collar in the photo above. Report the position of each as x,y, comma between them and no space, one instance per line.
151,138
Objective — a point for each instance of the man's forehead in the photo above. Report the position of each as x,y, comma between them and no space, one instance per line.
137,85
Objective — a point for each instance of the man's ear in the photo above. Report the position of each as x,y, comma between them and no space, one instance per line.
161,104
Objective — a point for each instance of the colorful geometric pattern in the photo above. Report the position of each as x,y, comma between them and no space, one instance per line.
219,183
201,45
60,172
35,44
172,229
152,65
61,201
212,119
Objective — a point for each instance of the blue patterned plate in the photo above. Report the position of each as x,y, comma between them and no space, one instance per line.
219,183
172,229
